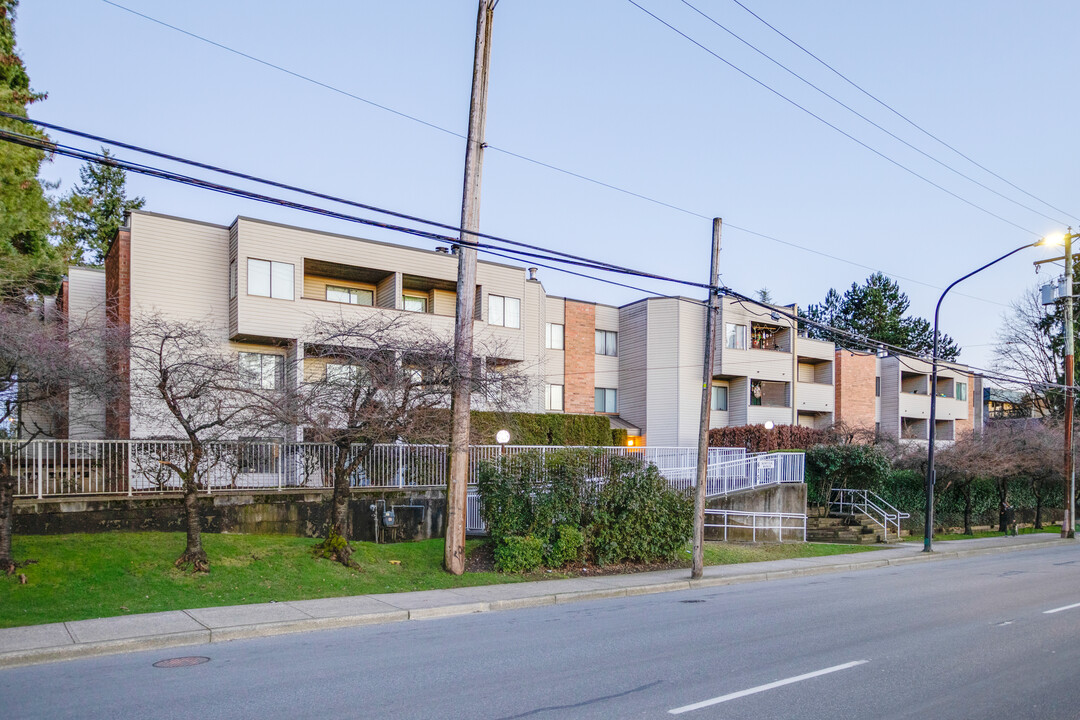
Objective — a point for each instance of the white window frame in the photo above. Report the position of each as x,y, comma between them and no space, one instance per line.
343,373
715,395
554,398
607,343
422,299
611,400
504,311
279,281
352,293
735,336
555,336
961,389
233,279
257,379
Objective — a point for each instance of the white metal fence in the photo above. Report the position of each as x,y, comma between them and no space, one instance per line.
845,501
57,468
770,526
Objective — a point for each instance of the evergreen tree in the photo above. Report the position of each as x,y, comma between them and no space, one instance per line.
88,218
27,260
876,311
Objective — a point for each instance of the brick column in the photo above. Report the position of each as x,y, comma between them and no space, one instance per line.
118,316
854,375
580,357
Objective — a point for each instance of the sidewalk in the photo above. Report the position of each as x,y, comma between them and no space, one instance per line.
36,644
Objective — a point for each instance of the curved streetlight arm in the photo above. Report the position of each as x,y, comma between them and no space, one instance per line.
928,536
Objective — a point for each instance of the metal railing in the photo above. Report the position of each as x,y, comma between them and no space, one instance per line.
58,468
844,501
755,522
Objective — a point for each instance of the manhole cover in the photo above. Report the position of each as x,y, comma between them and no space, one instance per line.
181,662
691,601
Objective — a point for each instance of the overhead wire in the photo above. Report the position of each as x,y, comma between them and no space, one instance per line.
900,115
100,158
821,119
519,156
858,114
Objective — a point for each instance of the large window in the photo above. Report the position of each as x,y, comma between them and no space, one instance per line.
719,398
553,398
261,371
735,337
961,391
505,311
553,336
414,303
352,296
343,374
607,400
270,279
607,342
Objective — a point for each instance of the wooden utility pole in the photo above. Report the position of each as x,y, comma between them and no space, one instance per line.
706,405
1068,525
461,379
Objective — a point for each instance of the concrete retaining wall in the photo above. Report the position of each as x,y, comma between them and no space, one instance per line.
786,498
290,512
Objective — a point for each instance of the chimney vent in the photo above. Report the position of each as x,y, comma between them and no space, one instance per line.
442,249
532,273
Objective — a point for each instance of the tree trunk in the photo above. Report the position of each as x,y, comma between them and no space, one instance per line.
194,556
967,511
335,546
1038,513
7,523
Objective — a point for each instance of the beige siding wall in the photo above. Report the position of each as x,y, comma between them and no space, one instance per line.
554,360
445,302
633,332
662,359
690,365
738,400
889,402
86,307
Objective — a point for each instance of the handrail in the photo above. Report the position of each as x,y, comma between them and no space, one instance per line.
869,504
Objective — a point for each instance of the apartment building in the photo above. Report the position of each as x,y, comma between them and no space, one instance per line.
260,284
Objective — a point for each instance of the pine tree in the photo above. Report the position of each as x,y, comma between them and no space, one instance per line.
87,218
27,260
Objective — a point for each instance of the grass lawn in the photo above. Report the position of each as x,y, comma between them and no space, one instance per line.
108,574
1047,529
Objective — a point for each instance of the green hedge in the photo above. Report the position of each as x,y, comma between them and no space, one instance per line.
543,429
582,505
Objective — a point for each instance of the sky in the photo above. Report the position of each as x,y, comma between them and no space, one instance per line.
613,136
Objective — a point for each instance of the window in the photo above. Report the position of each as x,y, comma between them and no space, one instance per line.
260,371
342,373
607,343
877,387
352,296
232,279
719,397
553,336
414,303
270,279
736,337
961,391
553,398
505,311
607,400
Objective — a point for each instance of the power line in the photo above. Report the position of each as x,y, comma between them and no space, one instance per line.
98,158
900,115
847,107
819,118
525,158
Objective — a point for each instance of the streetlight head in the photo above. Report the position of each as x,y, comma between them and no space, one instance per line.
502,437
1053,239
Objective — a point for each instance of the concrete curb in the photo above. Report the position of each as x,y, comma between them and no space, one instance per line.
204,635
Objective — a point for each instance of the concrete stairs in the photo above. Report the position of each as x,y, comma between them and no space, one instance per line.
846,529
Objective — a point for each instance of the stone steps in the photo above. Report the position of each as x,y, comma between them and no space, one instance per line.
852,530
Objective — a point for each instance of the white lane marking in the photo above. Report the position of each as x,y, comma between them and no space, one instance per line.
1067,607
763,688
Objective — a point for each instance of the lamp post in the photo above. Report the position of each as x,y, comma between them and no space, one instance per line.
928,537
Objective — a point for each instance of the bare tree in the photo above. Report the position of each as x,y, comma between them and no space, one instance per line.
382,379
186,383
44,358
1024,349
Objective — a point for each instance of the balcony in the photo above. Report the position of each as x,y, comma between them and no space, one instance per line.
815,397
815,349
765,336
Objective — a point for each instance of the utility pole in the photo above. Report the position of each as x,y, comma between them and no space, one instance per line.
1068,526
461,379
706,405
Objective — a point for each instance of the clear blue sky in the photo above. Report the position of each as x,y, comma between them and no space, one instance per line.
601,89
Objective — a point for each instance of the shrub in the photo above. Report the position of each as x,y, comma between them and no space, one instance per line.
862,467
517,553
565,546
639,516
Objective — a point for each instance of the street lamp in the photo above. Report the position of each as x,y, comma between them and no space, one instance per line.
928,537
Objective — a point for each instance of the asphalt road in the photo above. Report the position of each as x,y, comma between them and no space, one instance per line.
994,636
